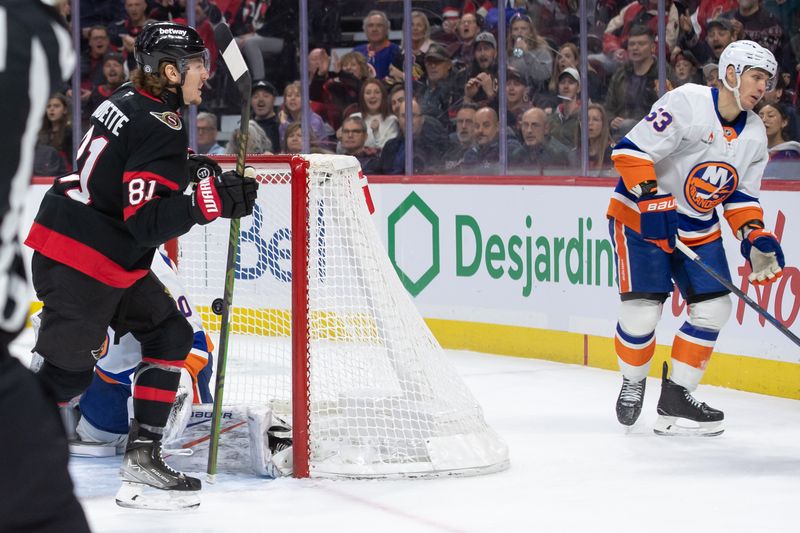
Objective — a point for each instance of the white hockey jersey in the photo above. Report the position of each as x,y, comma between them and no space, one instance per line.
698,157
119,361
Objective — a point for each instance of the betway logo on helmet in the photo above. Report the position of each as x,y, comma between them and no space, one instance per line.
171,31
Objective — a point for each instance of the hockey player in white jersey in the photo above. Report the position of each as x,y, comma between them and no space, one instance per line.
699,148
99,426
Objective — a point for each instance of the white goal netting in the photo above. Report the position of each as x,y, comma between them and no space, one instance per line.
384,400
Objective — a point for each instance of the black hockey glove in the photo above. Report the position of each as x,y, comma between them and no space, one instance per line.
201,167
229,195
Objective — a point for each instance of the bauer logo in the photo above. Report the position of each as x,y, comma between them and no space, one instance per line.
416,270
709,184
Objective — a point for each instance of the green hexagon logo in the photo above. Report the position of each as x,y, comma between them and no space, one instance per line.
413,201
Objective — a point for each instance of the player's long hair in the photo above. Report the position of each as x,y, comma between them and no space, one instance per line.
149,83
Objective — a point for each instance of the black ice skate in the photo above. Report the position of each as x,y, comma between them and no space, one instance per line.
143,469
629,401
680,414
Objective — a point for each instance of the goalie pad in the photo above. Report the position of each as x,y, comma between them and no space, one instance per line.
270,443
181,411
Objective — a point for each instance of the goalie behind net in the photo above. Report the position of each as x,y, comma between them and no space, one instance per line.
383,399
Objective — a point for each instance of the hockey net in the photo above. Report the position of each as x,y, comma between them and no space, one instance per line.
374,394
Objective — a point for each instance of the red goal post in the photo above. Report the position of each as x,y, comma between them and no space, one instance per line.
340,350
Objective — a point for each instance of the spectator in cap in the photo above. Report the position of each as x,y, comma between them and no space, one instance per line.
568,55
378,50
566,116
440,88
719,33
481,86
518,98
262,103
686,68
468,28
528,52
114,75
447,33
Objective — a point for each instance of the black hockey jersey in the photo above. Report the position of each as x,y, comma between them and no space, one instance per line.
126,198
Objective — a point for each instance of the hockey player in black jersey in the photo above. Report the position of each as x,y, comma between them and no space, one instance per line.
95,235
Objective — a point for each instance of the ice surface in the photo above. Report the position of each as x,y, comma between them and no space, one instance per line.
573,469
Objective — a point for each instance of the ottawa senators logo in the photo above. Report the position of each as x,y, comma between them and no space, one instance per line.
169,118
709,184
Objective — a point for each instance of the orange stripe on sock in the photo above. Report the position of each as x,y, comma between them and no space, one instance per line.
690,353
622,257
634,356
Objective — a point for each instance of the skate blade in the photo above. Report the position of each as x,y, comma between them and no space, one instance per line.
140,496
673,426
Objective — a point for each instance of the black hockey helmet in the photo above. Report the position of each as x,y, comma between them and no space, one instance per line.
168,41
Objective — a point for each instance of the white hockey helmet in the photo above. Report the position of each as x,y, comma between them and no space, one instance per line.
743,55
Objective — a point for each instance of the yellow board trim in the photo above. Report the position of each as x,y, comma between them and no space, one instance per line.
763,376
775,378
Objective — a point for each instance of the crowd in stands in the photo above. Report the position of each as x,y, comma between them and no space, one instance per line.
357,94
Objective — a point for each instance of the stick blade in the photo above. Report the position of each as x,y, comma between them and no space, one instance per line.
232,57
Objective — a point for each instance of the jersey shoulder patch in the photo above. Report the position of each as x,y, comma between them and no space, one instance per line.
170,118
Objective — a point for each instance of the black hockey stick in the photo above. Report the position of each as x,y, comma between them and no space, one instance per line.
232,56
738,292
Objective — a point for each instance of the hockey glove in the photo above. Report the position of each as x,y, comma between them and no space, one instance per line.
764,253
201,167
658,220
229,195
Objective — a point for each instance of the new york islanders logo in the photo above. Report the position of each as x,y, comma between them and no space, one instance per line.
709,184
169,118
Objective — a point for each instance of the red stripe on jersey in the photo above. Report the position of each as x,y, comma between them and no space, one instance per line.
154,395
81,257
150,96
163,362
149,176
131,210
